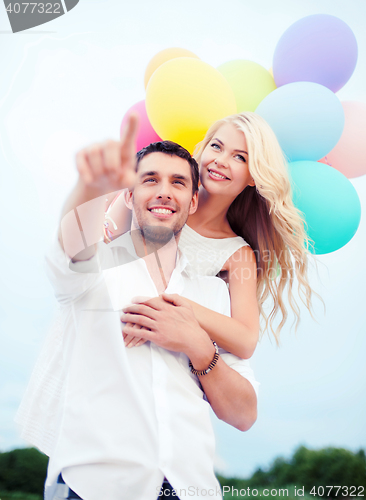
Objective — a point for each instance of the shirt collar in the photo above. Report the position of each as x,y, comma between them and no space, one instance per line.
125,241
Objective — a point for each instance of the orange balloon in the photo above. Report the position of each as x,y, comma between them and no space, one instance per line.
164,56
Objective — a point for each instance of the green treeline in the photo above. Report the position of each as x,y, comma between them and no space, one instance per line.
309,468
24,470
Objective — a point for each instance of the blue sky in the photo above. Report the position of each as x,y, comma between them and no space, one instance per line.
68,83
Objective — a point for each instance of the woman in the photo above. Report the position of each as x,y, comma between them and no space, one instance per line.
246,228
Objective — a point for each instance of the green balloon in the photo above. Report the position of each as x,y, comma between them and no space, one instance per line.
250,82
329,202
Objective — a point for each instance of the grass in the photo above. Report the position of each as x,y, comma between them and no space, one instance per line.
19,495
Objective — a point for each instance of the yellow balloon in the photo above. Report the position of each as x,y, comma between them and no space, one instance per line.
164,56
184,98
250,82
270,71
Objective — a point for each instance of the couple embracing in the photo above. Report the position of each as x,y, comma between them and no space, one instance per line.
148,343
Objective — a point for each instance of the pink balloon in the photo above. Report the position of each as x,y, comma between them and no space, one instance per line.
349,154
146,133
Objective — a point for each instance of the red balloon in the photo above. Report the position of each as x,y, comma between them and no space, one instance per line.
146,134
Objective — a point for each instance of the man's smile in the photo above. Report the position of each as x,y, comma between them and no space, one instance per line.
162,211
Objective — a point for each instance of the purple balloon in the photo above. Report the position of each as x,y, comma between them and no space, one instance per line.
318,48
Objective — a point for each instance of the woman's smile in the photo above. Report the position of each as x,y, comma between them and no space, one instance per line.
216,175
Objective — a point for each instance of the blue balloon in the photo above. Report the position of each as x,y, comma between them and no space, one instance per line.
329,202
307,118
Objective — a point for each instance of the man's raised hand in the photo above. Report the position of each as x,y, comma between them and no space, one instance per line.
103,169
109,166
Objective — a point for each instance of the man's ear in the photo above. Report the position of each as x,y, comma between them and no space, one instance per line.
128,198
194,203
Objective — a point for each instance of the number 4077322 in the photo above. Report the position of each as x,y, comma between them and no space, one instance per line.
34,7
334,491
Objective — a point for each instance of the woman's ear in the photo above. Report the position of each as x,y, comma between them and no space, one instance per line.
251,182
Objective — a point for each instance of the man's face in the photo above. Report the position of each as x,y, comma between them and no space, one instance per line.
162,197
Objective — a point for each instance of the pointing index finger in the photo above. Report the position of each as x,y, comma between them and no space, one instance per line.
128,150
129,133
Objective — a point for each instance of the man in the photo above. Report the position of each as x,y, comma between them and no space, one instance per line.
129,418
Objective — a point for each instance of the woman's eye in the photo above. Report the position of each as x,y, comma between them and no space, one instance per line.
215,145
241,158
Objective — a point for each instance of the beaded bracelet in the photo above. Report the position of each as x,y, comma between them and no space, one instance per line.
210,366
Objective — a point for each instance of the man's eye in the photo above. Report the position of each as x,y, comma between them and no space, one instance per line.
149,180
179,182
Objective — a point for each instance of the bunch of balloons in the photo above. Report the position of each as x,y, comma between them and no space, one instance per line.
321,137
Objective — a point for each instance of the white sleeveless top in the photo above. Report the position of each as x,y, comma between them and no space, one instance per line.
206,256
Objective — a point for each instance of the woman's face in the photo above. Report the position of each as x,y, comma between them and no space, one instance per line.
224,163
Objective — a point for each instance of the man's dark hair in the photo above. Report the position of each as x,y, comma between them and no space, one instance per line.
172,149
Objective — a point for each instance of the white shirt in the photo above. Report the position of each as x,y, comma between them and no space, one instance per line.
128,417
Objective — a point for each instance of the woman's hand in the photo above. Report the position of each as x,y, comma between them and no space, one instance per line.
169,322
131,340
135,340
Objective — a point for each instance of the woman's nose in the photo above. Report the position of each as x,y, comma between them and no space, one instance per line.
222,160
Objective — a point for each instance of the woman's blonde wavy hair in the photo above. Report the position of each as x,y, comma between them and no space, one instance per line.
265,216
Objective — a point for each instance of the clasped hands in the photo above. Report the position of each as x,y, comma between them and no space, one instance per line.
168,321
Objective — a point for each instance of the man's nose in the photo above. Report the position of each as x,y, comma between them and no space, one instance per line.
164,191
